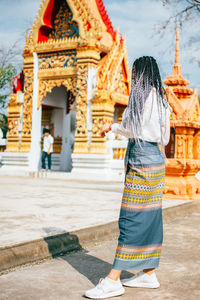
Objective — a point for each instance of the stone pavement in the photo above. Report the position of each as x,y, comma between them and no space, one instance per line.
32,208
67,277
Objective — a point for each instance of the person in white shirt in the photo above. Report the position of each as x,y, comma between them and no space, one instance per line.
47,149
146,124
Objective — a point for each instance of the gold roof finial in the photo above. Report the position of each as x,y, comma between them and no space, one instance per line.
176,79
177,69
177,57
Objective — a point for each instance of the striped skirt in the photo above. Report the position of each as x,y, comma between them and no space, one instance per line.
140,221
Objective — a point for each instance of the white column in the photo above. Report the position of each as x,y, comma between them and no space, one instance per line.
35,152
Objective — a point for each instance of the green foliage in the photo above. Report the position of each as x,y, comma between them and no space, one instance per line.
4,124
6,75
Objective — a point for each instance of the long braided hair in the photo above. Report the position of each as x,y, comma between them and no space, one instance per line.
145,76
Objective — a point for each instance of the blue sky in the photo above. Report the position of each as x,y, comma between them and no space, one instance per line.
135,18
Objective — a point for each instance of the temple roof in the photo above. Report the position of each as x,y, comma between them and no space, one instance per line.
105,17
90,15
113,75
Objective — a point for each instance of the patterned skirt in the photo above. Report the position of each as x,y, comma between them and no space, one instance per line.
140,221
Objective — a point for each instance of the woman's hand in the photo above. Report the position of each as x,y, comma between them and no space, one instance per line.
106,128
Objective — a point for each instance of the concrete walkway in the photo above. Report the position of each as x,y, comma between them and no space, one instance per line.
32,208
67,277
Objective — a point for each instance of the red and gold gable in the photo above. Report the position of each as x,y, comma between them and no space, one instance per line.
73,18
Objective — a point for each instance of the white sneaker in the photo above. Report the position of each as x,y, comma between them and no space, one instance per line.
105,289
142,280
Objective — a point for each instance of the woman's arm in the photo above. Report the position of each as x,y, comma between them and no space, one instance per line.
119,129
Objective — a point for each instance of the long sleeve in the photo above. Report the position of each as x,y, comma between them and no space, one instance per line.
119,129
166,127
150,127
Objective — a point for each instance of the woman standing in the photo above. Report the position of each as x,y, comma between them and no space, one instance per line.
146,124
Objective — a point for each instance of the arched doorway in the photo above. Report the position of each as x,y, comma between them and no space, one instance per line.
58,115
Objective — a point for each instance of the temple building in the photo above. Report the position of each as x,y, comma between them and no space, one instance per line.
75,78
183,151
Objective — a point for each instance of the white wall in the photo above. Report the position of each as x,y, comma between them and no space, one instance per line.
57,97
66,147
57,119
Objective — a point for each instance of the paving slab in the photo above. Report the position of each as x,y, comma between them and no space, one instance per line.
67,277
34,208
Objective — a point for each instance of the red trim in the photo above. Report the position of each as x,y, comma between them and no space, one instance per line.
48,17
18,83
51,11
105,18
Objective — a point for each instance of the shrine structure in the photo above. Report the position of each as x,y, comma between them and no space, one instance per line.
75,78
183,151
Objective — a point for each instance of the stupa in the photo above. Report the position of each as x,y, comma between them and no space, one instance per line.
183,151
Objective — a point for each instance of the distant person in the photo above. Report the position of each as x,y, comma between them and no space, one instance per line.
47,149
146,124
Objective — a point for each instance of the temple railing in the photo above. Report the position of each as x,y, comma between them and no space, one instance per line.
117,147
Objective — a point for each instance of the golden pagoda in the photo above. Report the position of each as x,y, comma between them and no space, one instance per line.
183,150
75,78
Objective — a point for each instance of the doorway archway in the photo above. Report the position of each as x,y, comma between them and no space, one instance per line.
58,115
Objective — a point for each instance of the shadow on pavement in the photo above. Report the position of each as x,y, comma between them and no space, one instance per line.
89,266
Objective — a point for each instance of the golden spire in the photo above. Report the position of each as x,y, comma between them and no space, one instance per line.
177,59
176,79
177,69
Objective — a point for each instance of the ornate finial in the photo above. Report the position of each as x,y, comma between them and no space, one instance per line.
177,58
177,69
29,40
176,79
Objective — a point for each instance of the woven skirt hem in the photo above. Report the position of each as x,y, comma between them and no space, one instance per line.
134,265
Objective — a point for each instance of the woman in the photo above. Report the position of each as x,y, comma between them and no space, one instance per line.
146,124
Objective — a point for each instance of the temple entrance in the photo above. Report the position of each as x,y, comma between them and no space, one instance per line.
58,115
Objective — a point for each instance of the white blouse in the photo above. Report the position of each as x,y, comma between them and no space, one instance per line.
150,122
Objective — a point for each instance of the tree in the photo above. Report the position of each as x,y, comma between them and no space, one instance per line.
186,13
7,72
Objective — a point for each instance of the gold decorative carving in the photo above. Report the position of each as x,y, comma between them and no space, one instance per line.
60,60
14,116
81,136
63,24
90,24
58,45
27,113
28,48
180,146
113,73
102,113
197,145
57,73
46,86
13,98
190,146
